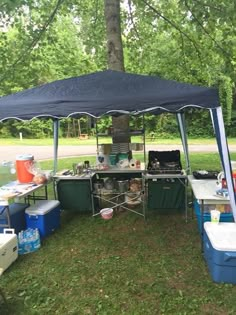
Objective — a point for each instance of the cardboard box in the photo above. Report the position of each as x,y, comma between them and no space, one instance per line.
44,215
8,248
219,245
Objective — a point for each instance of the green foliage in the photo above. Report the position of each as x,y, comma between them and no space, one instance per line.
103,124
226,97
198,124
36,128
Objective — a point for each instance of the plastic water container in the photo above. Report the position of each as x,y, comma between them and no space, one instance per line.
28,241
7,172
23,164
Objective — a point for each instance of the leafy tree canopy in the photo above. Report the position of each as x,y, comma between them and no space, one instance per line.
191,41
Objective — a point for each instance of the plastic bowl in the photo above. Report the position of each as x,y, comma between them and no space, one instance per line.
106,213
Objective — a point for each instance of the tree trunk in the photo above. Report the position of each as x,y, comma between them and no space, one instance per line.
115,61
113,30
79,128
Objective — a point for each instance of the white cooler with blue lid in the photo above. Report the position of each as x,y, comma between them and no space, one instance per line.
219,244
44,215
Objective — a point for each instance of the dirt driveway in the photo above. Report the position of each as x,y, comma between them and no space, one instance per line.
8,153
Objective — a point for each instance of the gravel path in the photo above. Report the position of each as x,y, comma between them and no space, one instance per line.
8,153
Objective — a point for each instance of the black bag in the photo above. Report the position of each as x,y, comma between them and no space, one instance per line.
205,174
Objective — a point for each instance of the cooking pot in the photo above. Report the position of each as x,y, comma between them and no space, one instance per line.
98,185
109,184
122,185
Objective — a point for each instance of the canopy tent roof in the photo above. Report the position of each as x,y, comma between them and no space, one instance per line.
114,93
106,92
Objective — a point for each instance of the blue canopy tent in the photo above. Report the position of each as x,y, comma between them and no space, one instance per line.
116,93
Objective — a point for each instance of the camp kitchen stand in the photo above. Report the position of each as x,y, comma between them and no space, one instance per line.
160,191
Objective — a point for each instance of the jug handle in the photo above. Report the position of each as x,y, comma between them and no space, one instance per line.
220,176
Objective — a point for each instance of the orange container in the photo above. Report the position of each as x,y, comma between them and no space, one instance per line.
23,164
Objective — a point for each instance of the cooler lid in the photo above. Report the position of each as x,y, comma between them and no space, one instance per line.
222,235
42,207
24,157
6,238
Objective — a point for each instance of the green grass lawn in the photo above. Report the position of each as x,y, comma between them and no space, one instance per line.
122,266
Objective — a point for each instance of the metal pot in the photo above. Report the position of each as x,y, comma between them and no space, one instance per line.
122,185
109,184
98,186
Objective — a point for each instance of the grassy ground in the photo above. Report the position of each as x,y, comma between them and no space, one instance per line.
122,266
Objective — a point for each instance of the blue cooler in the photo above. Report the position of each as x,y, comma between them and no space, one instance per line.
44,215
17,216
219,245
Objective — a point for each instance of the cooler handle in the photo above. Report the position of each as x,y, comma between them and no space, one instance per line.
8,231
33,216
228,256
207,246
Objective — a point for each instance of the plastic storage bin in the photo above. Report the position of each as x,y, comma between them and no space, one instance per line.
17,216
219,245
206,216
44,215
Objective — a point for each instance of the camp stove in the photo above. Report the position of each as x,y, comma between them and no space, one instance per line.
164,162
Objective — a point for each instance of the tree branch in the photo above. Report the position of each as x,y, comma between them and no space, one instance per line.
132,19
34,42
173,25
205,31
208,6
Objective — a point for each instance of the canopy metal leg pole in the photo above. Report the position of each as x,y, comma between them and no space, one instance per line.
55,143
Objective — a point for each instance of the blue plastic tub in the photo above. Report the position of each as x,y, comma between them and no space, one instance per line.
17,216
206,216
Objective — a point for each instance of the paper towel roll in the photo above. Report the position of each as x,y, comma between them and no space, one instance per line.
132,163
